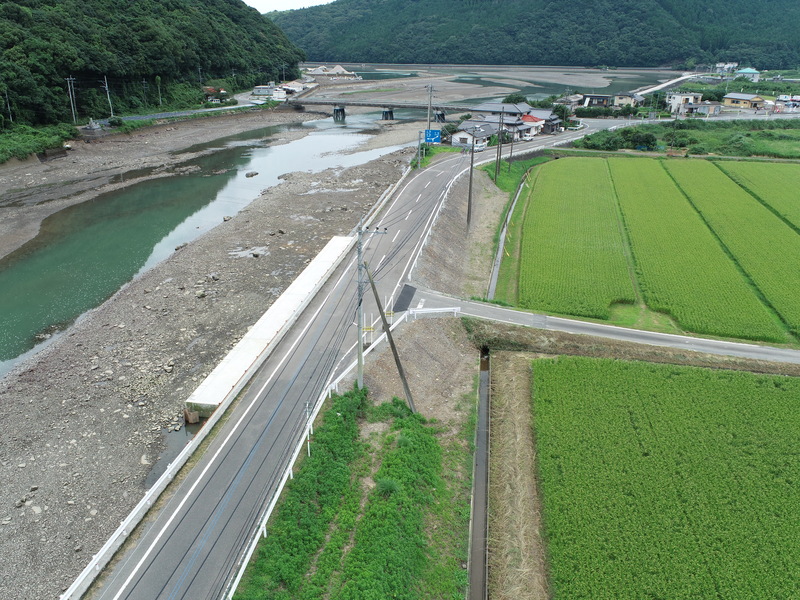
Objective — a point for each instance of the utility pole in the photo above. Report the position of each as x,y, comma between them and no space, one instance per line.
499,148
430,101
71,93
200,75
391,344
471,167
360,305
511,153
104,85
8,106
145,85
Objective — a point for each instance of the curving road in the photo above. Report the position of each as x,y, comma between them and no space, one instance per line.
193,547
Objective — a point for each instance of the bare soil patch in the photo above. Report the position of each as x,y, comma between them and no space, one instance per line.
517,558
457,260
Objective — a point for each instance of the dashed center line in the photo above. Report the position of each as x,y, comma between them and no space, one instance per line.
393,239
408,215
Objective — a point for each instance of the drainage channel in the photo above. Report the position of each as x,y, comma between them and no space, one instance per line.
478,556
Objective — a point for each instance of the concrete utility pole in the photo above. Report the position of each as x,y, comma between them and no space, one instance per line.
8,106
430,101
499,148
360,305
71,93
391,344
104,85
471,168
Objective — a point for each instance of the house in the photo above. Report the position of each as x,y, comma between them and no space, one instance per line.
628,99
743,101
536,126
598,100
707,108
214,95
677,101
572,101
512,116
474,134
750,74
724,68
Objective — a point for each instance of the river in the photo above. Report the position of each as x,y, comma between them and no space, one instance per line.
87,252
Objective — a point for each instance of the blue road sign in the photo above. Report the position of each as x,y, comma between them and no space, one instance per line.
433,136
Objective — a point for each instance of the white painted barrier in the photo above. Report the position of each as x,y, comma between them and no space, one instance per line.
264,334
222,386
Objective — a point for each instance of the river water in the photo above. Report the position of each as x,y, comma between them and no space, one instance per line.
85,253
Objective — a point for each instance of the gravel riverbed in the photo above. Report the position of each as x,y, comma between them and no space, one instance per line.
85,419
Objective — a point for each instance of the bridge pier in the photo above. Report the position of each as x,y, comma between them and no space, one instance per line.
338,113
387,114
439,116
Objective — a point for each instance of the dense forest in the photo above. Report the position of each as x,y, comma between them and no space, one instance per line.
763,34
151,52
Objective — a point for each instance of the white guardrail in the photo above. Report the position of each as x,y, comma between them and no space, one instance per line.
101,559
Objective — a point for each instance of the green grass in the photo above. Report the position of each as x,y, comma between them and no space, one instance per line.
681,268
667,482
309,506
389,553
775,138
331,537
573,255
763,245
20,141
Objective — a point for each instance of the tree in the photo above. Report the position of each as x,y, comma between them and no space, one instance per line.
515,99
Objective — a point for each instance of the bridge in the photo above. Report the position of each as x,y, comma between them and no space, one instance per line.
388,107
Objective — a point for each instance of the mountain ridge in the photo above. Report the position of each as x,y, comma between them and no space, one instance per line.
622,33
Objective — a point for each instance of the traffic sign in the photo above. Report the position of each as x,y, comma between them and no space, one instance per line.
433,136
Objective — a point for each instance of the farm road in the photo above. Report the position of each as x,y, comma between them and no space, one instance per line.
425,299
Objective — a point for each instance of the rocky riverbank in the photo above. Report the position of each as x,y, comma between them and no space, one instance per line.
85,419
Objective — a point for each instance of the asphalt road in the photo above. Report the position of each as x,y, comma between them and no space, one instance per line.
429,299
193,547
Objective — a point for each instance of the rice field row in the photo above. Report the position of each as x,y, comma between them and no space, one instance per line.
705,251
764,246
774,183
681,268
573,253
673,482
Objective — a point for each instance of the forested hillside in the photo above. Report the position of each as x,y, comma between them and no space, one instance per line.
764,34
151,51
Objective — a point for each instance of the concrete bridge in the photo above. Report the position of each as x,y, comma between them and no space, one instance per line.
438,111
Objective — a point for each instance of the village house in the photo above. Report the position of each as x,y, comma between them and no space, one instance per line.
214,95
750,74
677,101
706,109
474,134
597,100
572,101
513,114
628,100
743,101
